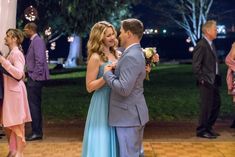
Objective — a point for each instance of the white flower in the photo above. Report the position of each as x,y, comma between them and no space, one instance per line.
149,52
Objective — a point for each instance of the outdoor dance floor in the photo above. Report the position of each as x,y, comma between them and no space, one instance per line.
152,149
160,140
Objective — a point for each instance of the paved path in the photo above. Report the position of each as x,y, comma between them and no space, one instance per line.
161,140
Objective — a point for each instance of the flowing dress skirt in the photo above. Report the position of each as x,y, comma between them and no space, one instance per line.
99,138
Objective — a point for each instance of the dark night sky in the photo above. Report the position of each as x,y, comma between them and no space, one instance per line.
222,10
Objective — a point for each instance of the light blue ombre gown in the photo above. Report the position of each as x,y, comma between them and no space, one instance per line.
99,138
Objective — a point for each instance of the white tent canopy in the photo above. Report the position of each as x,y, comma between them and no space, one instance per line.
7,20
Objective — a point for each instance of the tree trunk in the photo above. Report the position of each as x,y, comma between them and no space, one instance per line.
74,52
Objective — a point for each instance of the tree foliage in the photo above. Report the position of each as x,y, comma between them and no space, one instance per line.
77,16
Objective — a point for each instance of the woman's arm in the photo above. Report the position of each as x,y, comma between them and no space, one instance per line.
232,51
16,68
92,83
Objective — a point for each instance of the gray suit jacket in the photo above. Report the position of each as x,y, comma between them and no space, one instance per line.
127,102
204,62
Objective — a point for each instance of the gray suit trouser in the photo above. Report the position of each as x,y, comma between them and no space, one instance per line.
130,140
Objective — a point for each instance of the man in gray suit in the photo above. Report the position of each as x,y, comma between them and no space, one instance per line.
128,111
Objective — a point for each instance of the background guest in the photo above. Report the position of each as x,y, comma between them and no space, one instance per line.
2,70
15,108
230,62
205,67
38,72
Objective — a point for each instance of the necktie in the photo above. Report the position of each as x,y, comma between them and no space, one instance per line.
213,48
214,51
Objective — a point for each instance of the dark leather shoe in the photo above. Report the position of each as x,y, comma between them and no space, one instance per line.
212,132
206,135
34,137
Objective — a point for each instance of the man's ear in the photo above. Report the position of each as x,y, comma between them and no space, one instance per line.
207,31
129,33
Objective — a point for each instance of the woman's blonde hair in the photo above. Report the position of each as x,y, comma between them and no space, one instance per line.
18,34
95,43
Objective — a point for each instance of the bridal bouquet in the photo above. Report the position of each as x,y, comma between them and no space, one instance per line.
151,58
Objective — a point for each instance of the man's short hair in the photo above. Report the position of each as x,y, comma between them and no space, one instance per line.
31,26
207,25
135,26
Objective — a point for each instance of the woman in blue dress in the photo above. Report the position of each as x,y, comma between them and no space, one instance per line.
99,138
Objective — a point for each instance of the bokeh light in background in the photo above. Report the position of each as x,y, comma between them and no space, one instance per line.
30,13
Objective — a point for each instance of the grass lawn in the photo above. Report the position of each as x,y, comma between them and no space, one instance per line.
171,94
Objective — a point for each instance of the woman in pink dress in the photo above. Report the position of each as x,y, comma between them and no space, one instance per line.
230,62
15,108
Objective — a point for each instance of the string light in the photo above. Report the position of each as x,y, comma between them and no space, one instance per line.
191,49
53,45
30,13
48,31
188,40
70,39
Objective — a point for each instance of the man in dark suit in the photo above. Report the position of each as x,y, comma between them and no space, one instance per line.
205,67
38,72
